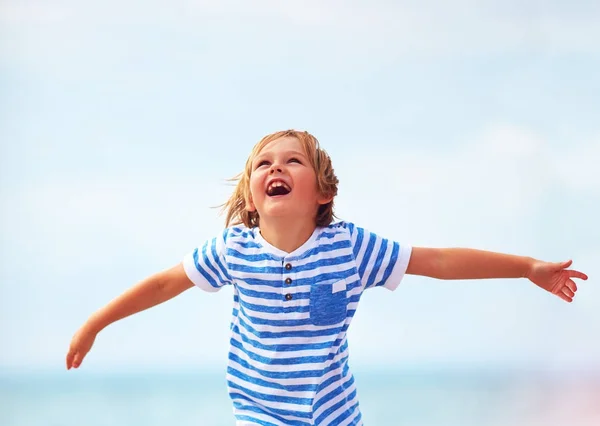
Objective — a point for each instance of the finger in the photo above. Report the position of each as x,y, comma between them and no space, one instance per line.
69,360
568,292
566,264
576,274
77,360
571,284
564,297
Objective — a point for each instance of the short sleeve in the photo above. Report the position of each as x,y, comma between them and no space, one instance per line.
380,262
206,267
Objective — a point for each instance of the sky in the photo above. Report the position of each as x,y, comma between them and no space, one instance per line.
450,124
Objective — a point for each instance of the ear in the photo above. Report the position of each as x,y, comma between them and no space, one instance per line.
325,199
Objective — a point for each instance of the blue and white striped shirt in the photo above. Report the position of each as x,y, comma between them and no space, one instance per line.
288,357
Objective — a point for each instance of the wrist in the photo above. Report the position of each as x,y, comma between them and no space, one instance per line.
528,267
94,324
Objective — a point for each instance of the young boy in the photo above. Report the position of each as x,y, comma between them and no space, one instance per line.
297,279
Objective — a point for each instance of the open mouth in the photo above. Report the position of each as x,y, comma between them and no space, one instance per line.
278,187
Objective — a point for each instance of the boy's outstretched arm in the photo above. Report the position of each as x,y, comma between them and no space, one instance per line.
463,264
156,289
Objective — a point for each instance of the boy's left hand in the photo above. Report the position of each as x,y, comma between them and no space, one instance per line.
556,278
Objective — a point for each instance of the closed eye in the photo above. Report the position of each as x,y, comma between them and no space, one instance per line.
263,163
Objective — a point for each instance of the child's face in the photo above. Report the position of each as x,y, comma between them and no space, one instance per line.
283,183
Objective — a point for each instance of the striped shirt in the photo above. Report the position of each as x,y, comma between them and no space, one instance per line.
288,356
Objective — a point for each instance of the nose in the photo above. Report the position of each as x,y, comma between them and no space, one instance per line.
275,168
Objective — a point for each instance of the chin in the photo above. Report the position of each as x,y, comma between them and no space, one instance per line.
281,212
277,213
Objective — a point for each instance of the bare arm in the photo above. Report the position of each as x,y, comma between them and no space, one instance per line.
463,264
156,289
152,291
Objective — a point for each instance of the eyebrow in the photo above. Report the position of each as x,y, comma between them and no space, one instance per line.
287,153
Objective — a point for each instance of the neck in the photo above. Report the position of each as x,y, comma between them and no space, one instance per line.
286,235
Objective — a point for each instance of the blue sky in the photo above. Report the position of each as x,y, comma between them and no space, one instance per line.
449,124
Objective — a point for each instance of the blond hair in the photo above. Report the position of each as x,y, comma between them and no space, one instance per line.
327,181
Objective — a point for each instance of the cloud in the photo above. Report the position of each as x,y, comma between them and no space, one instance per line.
430,27
75,238
356,29
577,167
491,190
500,177
490,193
485,194
28,12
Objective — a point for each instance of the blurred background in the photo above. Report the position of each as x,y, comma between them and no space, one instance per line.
464,123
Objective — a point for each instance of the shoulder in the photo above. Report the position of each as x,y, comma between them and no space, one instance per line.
342,226
239,235
338,230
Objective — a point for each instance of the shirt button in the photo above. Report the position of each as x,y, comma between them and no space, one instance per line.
288,297
288,280
288,266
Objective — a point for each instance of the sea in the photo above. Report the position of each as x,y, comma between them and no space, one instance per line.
407,398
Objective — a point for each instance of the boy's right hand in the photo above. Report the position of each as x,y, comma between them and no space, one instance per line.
80,345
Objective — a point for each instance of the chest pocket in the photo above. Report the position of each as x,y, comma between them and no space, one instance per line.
328,303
